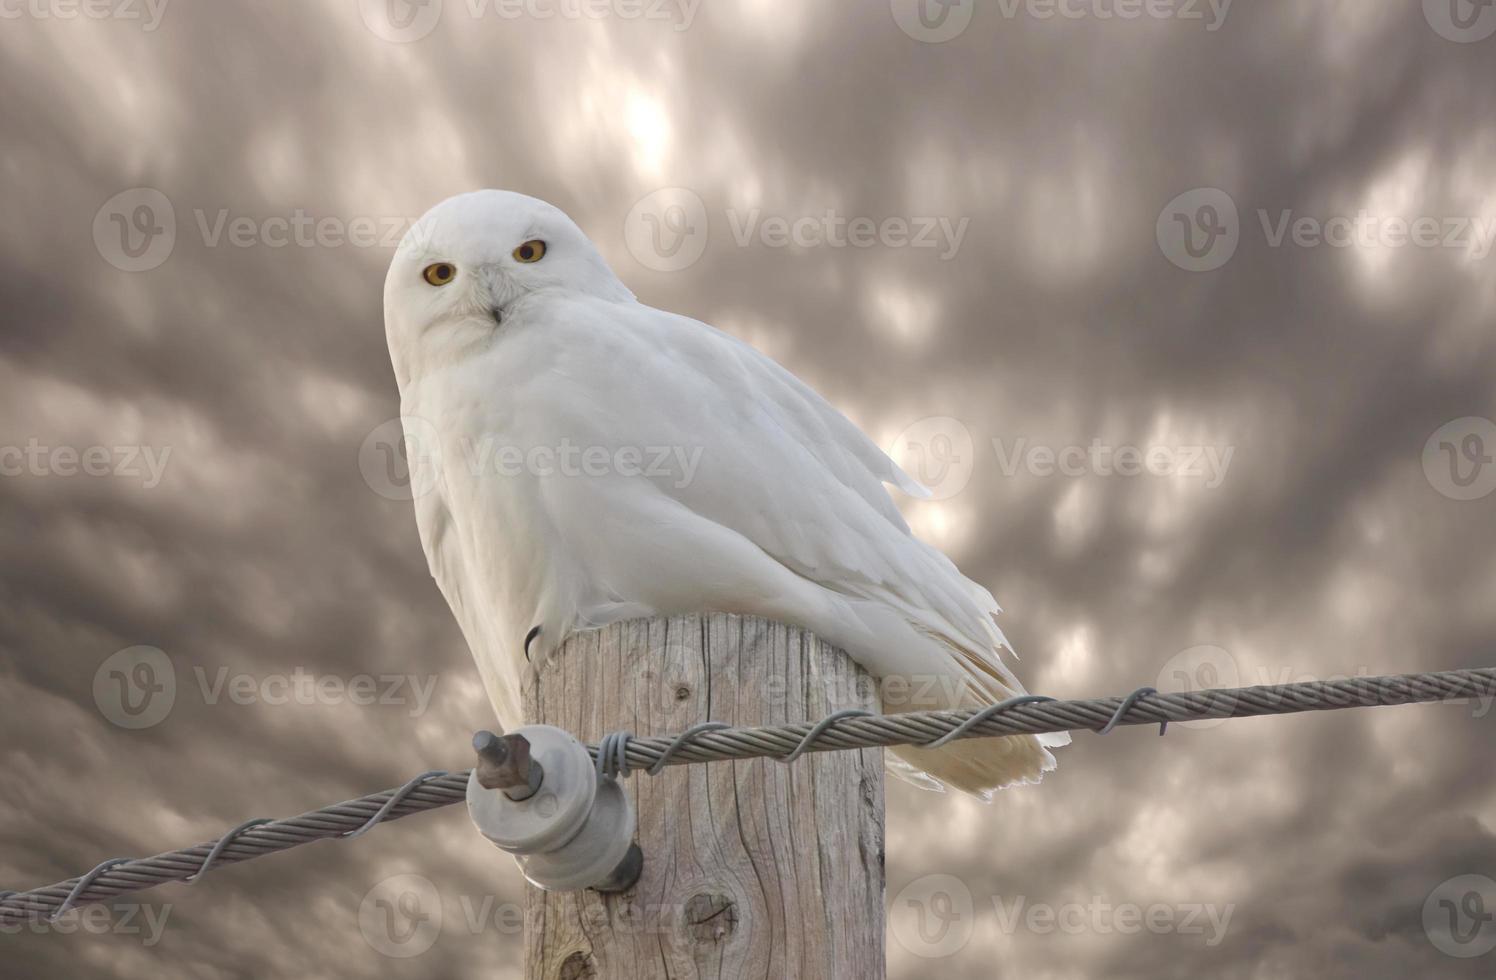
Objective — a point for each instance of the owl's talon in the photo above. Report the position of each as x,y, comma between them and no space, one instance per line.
529,637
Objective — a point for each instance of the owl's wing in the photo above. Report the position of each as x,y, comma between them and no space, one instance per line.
780,471
447,560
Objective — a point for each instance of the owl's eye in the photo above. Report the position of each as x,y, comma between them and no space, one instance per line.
439,274
531,251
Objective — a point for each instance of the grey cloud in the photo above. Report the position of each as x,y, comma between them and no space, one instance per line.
254,373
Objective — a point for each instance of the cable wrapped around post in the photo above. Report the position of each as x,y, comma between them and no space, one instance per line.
709,743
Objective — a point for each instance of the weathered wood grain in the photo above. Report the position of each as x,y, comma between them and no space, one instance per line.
752,869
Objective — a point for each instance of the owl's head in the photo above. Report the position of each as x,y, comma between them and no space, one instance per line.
469,262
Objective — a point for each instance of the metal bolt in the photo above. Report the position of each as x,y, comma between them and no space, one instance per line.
504,763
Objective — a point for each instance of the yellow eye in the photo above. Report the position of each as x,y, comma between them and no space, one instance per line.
439,274
531,251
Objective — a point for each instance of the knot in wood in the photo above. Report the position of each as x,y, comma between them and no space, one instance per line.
578,966
710,918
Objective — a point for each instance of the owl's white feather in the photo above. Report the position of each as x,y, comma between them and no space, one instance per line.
769,502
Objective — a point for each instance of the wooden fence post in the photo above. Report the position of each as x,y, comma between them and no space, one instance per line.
752,869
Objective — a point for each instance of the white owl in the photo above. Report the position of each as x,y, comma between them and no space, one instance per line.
603,460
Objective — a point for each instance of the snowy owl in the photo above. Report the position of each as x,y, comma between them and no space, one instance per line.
604,460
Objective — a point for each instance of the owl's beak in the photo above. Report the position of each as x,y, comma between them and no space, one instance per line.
499,292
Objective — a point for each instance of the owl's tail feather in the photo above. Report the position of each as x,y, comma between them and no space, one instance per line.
922,662
978,766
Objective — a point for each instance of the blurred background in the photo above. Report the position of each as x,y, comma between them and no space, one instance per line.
1185,310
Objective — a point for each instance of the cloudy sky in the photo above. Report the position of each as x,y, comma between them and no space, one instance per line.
1185,310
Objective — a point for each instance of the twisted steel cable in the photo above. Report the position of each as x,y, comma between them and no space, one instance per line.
707,742
1032,715
241,844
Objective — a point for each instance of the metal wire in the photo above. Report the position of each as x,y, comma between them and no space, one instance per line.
223,842
996,709
609,754
1024,715
814,735
677,742
83,883
1028,717
392,802
1127,703
278,835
